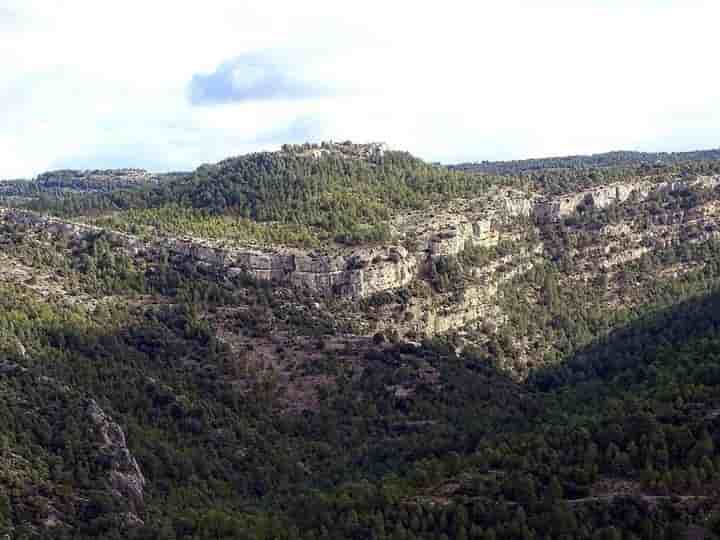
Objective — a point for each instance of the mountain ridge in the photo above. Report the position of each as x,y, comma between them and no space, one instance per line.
546,368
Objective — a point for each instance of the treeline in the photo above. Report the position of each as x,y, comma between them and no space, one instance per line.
604,160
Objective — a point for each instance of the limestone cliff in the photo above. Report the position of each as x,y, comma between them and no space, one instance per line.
555,208
124,474
356,273
361,272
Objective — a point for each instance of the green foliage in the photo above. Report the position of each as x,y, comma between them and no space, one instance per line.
207,452
573,173
173,220
296,199
619,438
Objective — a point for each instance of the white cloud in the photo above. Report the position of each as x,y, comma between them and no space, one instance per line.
106,84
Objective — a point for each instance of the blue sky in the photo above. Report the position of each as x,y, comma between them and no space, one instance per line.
170,85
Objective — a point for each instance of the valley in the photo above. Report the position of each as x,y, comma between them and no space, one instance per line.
343,341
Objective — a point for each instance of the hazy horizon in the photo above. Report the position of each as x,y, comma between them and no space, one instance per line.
168,87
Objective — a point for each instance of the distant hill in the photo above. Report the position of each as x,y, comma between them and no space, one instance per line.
607,159
346,191
74,180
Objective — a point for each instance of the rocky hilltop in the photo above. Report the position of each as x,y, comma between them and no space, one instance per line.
62,177
450,267
372,152
364,271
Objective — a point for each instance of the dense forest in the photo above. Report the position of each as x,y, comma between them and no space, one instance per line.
152,397
346,200
468,454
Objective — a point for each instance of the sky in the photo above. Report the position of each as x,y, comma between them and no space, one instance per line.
169,85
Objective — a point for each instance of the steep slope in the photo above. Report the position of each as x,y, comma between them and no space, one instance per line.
534,373
443,444
64,463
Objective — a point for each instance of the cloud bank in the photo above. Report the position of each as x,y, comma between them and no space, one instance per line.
8,19
252,77
173,85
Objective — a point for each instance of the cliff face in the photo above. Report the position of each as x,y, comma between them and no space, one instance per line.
368,270
429,313
81,427
356,274
454,237
124,474
554,209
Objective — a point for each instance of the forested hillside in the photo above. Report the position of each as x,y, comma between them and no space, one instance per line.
522,356
324,198
622,436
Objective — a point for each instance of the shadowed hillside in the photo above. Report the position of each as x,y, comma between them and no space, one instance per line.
518,362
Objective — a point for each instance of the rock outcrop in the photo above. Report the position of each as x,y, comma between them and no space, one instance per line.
373,151
553,209
93,180
429,313
454,237
357,273
365,271
125,477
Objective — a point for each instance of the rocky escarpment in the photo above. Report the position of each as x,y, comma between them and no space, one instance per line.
541,209
430,313
124,475
423,312
445,233
553,209
355,273
83,435
364,271
616,244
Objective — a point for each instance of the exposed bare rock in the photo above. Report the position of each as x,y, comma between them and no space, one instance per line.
125,477
93,180
558,207
373,151
361,272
